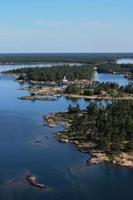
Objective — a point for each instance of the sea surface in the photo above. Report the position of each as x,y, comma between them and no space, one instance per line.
125,61
60,166
46,64
116,78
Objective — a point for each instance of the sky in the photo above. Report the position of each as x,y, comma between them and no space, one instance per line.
61,26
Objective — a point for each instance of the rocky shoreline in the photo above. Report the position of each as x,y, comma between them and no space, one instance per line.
53,97
52,119
54,91
37,98
32,180
123,159
96,97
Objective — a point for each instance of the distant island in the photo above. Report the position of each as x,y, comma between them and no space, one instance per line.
54,74
72,81
87,58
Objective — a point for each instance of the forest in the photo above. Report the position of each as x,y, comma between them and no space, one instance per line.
115,68
88,58
55,73
103,63
97,88
110,127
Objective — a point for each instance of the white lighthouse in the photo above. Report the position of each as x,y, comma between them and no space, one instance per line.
65,80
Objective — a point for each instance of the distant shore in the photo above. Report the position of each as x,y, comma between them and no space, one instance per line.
97,97
42,93
45,98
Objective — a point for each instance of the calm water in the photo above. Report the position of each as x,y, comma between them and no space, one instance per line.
101,77
125,61
60,166
10,67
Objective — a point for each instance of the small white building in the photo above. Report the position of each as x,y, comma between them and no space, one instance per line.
65,80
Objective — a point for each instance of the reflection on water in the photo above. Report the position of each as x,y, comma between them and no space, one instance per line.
60,166
102,77
19,66
125,61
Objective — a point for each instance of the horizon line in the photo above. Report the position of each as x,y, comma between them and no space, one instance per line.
111,52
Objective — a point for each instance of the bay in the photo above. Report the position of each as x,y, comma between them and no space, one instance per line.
60,166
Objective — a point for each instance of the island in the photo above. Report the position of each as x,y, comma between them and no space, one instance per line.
72,82
32,180
103,131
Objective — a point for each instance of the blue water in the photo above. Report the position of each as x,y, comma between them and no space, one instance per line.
46,64
60,166
125,61
102,77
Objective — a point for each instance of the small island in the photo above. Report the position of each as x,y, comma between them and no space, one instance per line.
33,182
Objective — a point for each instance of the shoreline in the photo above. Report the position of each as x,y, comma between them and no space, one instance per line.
44,97
123,159
32,180
97,97
37,98
57,92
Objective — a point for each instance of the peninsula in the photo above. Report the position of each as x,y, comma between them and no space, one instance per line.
105,132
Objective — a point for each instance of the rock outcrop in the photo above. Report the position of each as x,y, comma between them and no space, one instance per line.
33,181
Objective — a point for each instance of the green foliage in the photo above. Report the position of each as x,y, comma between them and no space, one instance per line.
91,58
73,89
109,68
55,73
72,110
112,89
89,92
111,126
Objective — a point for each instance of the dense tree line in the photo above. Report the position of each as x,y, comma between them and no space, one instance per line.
73,89
55,73
125,69
91,58
104,62
109,68
110,127
110,88
97,88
